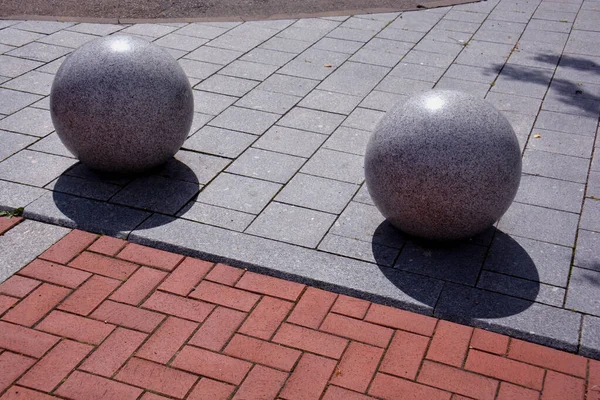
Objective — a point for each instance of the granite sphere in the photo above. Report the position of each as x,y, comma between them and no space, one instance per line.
444,165
121,104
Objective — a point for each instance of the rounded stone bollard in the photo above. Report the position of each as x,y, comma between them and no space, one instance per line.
121,104
444,165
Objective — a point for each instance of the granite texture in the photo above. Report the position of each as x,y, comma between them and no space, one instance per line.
121,104
443,166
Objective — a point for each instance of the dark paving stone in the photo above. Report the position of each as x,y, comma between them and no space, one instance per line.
220,142
12,143
551,193
590,337
267,165
336,165
583,293
556,166
525,289
587,251
14,195
360,250
34,168
84,188
590,217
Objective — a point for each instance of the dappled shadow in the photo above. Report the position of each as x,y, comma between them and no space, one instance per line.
115,204
458,266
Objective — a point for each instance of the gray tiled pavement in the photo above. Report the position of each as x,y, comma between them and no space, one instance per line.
271,177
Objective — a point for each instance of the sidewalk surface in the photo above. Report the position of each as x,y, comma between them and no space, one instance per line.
271,178
94,317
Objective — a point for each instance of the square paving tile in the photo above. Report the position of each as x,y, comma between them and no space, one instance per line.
245,120
583,293
317,193
34,168
291,224
156,193
12,143
239,193
220,142
267,165
311,120
290,141
336,165
30,121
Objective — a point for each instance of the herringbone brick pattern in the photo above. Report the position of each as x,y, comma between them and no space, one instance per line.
99,318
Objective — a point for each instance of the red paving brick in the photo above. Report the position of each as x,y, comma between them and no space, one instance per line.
312,308
123,321
56,365
37,304
450,343
149,256
68,247
266,317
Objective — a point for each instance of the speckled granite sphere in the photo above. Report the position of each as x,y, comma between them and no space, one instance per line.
444,165
121,104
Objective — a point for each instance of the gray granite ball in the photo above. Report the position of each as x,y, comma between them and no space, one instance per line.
444,165
121,104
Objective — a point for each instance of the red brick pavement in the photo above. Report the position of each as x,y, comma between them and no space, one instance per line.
99,318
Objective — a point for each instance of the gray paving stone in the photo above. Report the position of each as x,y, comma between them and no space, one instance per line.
534,54
198,69
363,196
283,260
23,243
554,165
291,224
562,143
364,119
239,193
193,167
590,217
286,45
17,37
14,195
336,165
552,226
366,24
32,82
551,193
578,68
522,288
427,58
224,25
228,85
34,168
6,23
267,165
348,140
359,250
263,100
523,81
572,104
470,73
314,64
96,29
590,334
218,216
211,103
156,193
180,42
270,57
351,34
12,143
398,85
586,252
201,30
330,101
441,34
253,31
435,46
6,48
551,15
550,26
233,42
522,124
245,120
419,72
511,16
587,21
408,36
311,120
475,88
513,103
379,16
290,141
354,79
317,193
338,45
30,121
376,57
458,263
67,39
388,46
152,30
583,293
12,66
51,144
458,26
508,315
488,35
277,24
214,55
220,142
303,34
458,15
83,187
415,22
199,121
382,101
40,52
249,70
83,172
288,85
593,188
85,214
52,67
46,27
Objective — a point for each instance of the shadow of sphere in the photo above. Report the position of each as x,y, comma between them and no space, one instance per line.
465,301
